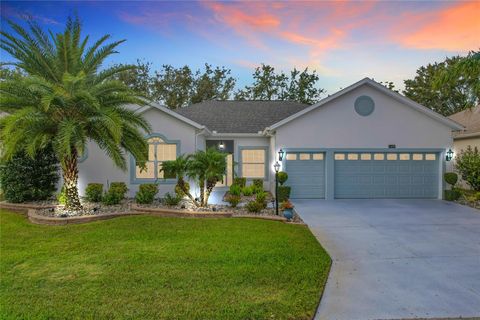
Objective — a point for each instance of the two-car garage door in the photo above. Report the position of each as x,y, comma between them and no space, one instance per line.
368,174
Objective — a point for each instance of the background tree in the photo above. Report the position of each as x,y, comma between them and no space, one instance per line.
66,101
138,79
447,87
269,85
212,84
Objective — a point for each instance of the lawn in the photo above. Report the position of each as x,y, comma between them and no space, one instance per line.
143,267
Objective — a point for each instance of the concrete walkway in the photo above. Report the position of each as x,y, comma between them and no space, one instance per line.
397,259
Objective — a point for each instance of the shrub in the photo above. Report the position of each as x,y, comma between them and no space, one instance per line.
468,165
25,179
452,195
247,191
94,192
451,178
235,190
258,183
233,200
283,193
240,181
61,196
146,193
119,187
111,198
256,189
115,193
171,200
282,177
254,206
261,198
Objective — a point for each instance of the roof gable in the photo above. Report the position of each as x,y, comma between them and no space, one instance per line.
240,117
366,81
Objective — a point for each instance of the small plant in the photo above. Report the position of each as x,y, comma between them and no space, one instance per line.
451,178
62,197
119,187
452,195
282,177
240,181
287,205
146,193
258,183
171,200
115,193
111,198
468,165
235,190
256,189
254,206
283,193
233,200
94,192
247,191
261,198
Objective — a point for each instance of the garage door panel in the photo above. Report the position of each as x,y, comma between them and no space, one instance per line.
306,177
388,176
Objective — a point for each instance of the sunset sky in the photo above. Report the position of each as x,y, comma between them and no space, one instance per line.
343,41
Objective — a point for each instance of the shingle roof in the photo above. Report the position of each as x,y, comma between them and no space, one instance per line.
470,119
240,116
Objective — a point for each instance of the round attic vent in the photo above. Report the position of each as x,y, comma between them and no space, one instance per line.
364,105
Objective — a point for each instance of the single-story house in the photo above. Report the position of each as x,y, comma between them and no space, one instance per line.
364,141
470,136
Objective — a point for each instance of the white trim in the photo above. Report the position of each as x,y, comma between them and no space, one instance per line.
171,113
240,135
432,114
461,136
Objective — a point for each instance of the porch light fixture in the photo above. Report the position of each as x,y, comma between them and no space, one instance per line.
449,155
281,153
221,145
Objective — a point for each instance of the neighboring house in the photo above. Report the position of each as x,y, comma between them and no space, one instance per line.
364,141
470,136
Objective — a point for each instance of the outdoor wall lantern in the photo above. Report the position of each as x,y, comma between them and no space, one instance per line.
276,166
221,145
281,153
449,155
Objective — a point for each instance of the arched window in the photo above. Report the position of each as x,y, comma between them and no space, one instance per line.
159,150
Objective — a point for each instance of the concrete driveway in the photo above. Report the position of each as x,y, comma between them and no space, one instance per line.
397,259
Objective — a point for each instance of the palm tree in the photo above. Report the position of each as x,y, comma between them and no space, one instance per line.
179,167
67,101
207,167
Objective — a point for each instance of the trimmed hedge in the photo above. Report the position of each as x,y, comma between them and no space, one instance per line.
115,193
451,178
146,193
282,177
94,192
25,179
452,195
283,193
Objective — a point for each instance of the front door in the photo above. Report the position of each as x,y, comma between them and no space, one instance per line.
228,176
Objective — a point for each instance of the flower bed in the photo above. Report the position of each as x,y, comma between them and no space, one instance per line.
54,214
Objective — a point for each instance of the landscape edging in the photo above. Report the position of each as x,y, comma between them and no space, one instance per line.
34,217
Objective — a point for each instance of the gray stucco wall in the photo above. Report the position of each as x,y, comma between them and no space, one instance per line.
336,125
99,168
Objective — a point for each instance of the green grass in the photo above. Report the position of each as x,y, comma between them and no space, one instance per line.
143,267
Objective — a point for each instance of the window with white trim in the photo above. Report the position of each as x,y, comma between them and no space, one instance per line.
253,163
158,151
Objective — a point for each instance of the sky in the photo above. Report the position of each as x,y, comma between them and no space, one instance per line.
344,41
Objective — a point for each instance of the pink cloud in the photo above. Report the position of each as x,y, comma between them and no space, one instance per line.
454,28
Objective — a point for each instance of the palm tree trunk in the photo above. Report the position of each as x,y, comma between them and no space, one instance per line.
70,179
181,183
202,193
210,185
